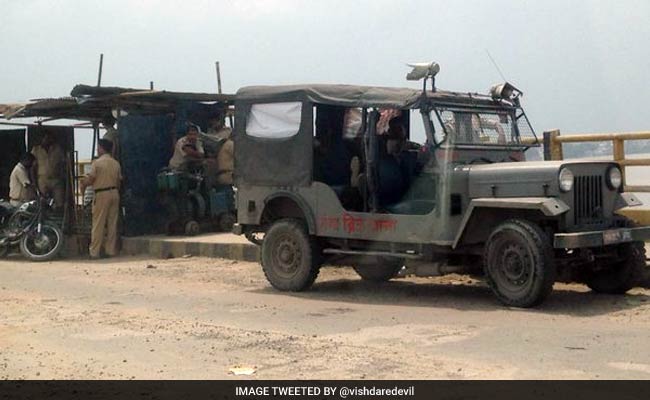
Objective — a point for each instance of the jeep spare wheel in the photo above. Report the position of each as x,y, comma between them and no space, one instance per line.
383,270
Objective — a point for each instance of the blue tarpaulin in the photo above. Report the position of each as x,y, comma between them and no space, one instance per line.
146,145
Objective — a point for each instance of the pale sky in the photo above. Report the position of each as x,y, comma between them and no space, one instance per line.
582,65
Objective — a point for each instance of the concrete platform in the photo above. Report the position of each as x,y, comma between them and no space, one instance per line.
223,245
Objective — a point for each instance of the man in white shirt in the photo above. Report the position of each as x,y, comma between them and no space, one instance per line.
21,189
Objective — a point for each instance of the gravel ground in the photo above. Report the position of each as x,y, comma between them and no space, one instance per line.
196,318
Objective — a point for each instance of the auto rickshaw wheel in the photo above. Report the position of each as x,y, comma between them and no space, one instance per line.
519,263
290,257
226,221
192,228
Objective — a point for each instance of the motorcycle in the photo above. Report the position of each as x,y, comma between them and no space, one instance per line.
26,227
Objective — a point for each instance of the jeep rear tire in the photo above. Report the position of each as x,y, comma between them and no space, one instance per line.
290,259
621,276
383,271
519,263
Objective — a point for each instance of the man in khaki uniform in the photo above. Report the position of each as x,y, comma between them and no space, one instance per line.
20,184
50,169
105,176
226,162
218,129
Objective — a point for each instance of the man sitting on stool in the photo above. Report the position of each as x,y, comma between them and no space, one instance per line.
188,151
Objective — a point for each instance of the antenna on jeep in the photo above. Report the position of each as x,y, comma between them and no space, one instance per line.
495,65
505,90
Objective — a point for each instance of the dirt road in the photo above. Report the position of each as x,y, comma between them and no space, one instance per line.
195,318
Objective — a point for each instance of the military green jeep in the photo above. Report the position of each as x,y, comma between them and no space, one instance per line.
331,175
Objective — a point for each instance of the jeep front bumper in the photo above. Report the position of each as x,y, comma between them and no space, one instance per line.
600,238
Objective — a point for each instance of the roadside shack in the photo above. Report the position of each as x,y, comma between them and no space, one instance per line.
146,124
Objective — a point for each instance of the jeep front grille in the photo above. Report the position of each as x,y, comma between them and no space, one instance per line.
588,200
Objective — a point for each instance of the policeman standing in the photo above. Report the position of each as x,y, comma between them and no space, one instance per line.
50,170
105,177
226,161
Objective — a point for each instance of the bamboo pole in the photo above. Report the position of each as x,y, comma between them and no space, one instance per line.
96,125
101,66
216,64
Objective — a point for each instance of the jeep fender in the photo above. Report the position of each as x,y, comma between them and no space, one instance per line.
547,205
300,202
627,200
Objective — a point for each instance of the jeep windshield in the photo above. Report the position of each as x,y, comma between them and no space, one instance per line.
483,127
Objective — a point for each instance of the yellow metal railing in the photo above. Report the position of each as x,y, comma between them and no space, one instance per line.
553,149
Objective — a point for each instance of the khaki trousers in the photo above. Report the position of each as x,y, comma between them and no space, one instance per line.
106,206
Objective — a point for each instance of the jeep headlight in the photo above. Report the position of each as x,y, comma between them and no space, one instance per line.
614,178
565,179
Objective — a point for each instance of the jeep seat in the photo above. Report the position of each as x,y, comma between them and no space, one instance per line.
420,199
392,184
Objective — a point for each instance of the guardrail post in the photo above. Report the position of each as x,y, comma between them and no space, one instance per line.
546,138
619,155
552,147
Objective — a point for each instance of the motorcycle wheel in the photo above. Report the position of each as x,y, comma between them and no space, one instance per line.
42,246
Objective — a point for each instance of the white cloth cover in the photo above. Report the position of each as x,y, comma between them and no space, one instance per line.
274,120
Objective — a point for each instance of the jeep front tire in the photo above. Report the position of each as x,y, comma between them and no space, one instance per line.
623,275
519,263
289,256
